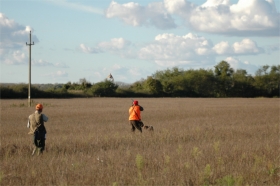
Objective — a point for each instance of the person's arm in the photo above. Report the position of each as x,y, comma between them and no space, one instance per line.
45,118
141,108
28,122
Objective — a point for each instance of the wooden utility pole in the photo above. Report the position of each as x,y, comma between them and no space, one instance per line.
29,78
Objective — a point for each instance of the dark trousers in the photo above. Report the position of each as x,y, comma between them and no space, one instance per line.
39,140
135,124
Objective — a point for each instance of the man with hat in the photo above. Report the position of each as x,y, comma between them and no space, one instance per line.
37,129
135,116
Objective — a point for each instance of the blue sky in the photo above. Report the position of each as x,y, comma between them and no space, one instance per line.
133,39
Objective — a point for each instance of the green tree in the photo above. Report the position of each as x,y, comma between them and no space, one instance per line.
67,85
104,89
267,83
223,73
201,82
171,80
138,88
274,76
154,86
180,86
242,84
84,84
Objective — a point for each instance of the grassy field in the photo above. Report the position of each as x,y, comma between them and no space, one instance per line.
195,142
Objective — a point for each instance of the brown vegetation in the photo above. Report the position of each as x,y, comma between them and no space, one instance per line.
195,142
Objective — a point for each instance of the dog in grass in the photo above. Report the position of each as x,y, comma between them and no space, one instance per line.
148,128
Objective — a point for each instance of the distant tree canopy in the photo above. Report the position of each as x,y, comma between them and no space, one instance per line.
222,81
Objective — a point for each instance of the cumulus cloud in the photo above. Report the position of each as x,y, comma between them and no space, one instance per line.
168,50
182,8
13,41
172,50
118,46
223,48
87,49
236,63
14,35
245,18
193,50
114,44
19,56
16,58
212,3
61,73
245,47
136,15
255,17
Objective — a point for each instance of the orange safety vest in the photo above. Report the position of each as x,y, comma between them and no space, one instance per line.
134,113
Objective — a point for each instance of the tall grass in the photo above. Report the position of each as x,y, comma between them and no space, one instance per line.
195,142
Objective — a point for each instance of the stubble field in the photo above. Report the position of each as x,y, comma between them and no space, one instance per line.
195,142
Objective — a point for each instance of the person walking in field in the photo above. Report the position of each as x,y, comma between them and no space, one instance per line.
135,116
37,129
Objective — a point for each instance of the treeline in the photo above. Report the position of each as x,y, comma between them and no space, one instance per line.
222,81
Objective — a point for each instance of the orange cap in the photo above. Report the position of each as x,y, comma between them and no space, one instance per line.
39,106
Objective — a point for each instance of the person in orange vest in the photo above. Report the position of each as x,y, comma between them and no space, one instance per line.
135,116
37,129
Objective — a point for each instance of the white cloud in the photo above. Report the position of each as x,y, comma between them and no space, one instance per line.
245,47
254,17
14,35
121,73
190,50
16,58
222,48
61,65
61,73
213,3
13,41
76,6
130,13
180,7
114,44
172,50
245,18
118,46
19,56
236,63
41,63
87,49
137,15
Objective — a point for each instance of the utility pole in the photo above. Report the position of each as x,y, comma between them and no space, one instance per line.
29,84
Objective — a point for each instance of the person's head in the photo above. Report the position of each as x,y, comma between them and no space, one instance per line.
39,107
135,102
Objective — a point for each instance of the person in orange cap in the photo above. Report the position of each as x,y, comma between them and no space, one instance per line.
135,116
37,129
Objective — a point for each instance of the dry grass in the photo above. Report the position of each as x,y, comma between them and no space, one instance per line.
195,142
